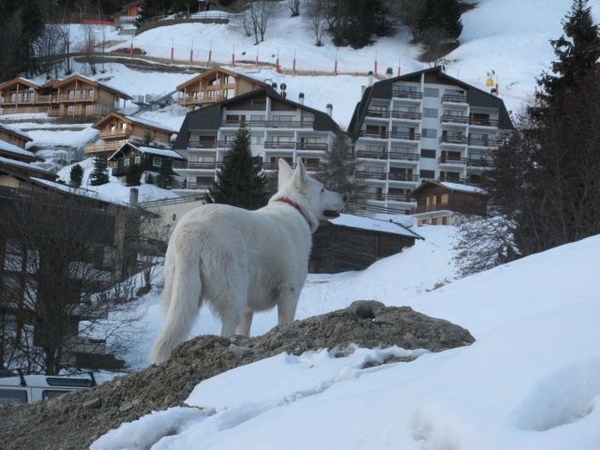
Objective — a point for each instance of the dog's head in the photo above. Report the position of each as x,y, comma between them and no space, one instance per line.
312,199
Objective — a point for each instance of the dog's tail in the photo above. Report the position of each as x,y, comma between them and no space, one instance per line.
180,300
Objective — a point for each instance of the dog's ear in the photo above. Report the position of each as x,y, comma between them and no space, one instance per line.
300,174
285,172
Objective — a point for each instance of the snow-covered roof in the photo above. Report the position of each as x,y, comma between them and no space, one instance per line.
82,192
22,165
463,187
15,149
368,223
164,152
150,123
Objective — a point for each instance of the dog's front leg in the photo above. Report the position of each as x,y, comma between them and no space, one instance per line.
243,328
286,306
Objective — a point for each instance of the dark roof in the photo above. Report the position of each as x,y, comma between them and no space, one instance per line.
383,89
128,147
210,117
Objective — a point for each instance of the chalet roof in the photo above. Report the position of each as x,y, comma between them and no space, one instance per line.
433,75
20,80
209,117
58,83
15,132
163,152
22,165
451,187
15,152
132,119
209,73
371,224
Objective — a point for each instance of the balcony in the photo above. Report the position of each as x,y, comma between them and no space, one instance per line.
279,145
371,175
316,146
371,154
491,123
486,142
453,140
404,156
399,176
404,136
452,160
448,118
407,115
196,165
480,163
454,98
293,124
115,134
405,94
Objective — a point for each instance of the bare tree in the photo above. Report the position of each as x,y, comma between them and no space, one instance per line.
57,254
65,35
259,15
294,6
317,14
47,47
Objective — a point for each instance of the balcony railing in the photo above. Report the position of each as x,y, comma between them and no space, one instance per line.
457,161
412,95
483,142
458,140
268,123
196,165
405,136
404,156
371,154
454,98
484,122
406,115
448,118
402,177
371,175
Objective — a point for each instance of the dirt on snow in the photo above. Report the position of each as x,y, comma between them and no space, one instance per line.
75,420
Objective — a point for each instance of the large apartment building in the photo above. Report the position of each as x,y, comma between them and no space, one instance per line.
279,128
420,126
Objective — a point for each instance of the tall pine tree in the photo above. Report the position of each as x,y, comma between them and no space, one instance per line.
99,175
240,180
555,183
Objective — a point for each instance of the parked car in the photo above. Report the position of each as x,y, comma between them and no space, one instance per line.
32,388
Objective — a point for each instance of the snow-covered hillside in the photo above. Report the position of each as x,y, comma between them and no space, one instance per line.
531,381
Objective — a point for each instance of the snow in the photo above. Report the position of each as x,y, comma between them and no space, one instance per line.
530,381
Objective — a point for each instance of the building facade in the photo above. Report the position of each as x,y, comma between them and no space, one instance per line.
279,128
423,125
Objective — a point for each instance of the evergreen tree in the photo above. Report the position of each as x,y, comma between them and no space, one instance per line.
240,181
338,172
546,175
578,52
99,175
165,176
133,175
76,175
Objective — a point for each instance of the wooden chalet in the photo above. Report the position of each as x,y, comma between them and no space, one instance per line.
150,159
74,96
213,86
14,136
117,129
438,200
354,243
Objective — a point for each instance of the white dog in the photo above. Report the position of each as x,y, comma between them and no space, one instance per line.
241,261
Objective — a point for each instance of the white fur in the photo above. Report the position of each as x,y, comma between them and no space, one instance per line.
240,261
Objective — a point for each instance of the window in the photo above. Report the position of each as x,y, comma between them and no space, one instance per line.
426,153
427,173
430,112
138,159
156,161
429,133
431,92
12,396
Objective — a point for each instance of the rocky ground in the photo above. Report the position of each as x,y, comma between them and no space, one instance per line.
75,420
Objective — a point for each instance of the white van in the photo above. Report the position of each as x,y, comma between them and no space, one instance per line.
31,388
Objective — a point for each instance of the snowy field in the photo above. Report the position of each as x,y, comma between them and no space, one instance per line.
531,381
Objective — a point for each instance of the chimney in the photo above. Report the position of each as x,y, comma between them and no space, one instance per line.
134,194
362,89
329,109
370,78
389,72
301,98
